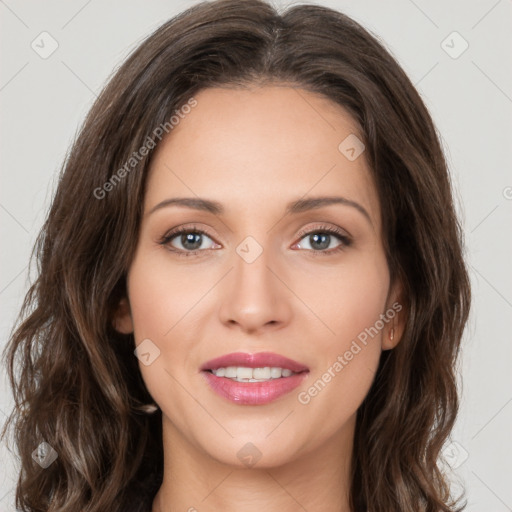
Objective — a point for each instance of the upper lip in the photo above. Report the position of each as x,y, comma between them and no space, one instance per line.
259,360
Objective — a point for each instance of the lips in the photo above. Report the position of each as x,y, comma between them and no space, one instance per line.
254,393
259,360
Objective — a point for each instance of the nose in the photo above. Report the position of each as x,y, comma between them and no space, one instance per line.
255,299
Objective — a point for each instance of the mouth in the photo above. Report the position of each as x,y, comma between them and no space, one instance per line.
253,379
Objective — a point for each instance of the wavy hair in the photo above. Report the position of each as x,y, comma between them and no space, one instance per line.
75,380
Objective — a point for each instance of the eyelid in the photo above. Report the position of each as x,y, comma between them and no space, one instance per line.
185,227
177,230
344,238
325,227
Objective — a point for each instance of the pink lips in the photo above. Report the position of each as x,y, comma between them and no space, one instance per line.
254,393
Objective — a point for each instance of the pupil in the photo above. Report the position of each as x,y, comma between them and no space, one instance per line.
191,238
322,244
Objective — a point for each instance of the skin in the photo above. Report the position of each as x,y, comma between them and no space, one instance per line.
254,150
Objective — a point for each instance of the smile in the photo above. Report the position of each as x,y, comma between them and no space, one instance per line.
253,379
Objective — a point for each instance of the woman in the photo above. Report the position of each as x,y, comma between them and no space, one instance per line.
300,352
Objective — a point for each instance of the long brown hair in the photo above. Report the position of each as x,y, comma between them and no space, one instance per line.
76,381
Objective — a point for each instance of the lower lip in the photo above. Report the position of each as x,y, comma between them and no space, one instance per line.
253,393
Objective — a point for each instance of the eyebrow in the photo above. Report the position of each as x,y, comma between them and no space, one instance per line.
294,207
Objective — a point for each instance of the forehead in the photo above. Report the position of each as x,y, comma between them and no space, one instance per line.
258,148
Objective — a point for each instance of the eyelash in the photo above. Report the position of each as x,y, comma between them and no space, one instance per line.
344,239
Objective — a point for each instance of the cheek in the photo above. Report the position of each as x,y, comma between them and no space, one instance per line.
346,299
350,303
161,295
162,300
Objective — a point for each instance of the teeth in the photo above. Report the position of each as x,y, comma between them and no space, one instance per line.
244,374
275,373
230,372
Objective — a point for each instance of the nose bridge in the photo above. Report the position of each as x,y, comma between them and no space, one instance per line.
255,297
252,262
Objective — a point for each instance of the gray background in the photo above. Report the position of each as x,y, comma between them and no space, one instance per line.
44,100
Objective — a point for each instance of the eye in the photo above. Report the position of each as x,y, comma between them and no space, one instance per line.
191,241
187,241
321,239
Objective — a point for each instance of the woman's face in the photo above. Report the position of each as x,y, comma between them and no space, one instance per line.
278,269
